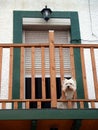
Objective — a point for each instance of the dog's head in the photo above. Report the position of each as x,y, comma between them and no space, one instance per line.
69,84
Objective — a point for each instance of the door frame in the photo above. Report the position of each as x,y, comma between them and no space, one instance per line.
17,38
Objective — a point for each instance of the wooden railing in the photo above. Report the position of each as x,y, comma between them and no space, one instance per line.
53,92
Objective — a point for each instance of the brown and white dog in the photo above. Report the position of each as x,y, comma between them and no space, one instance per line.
68,93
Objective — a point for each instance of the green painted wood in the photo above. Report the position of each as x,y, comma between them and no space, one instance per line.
48,114
73,16
16,74
75,29
78,73
17,27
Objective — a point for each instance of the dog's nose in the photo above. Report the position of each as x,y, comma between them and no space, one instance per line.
68,86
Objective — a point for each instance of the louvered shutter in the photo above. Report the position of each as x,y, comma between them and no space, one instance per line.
42,37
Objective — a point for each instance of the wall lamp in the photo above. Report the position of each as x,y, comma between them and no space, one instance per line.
46,13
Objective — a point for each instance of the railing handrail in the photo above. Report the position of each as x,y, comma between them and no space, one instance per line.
59,100
17,45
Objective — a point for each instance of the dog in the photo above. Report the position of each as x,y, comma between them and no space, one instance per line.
68,92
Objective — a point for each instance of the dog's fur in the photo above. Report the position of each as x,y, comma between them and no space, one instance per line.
68,92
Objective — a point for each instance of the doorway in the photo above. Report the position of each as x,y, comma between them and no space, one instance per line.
40,35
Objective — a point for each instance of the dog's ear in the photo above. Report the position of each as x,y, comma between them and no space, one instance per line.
68,78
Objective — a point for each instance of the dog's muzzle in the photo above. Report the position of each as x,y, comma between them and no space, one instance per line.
69,88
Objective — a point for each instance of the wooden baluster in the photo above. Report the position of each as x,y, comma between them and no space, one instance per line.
84,73
22,74
81,105
69,104
0,65
52,70
61,65
3,105
94,71
92,104
27,105
43,72
33,72
39,105
10,73
15,105
72,62
72,65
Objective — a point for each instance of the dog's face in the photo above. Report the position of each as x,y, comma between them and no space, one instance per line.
68,85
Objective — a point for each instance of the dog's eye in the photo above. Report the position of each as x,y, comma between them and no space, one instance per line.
70,83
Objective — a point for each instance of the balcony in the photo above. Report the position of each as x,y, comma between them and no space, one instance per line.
22,103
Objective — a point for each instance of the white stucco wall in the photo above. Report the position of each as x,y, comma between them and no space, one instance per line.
88,19
87,10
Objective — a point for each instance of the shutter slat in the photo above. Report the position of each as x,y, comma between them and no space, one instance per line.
42,37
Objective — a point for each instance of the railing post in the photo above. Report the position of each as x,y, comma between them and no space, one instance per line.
52,70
